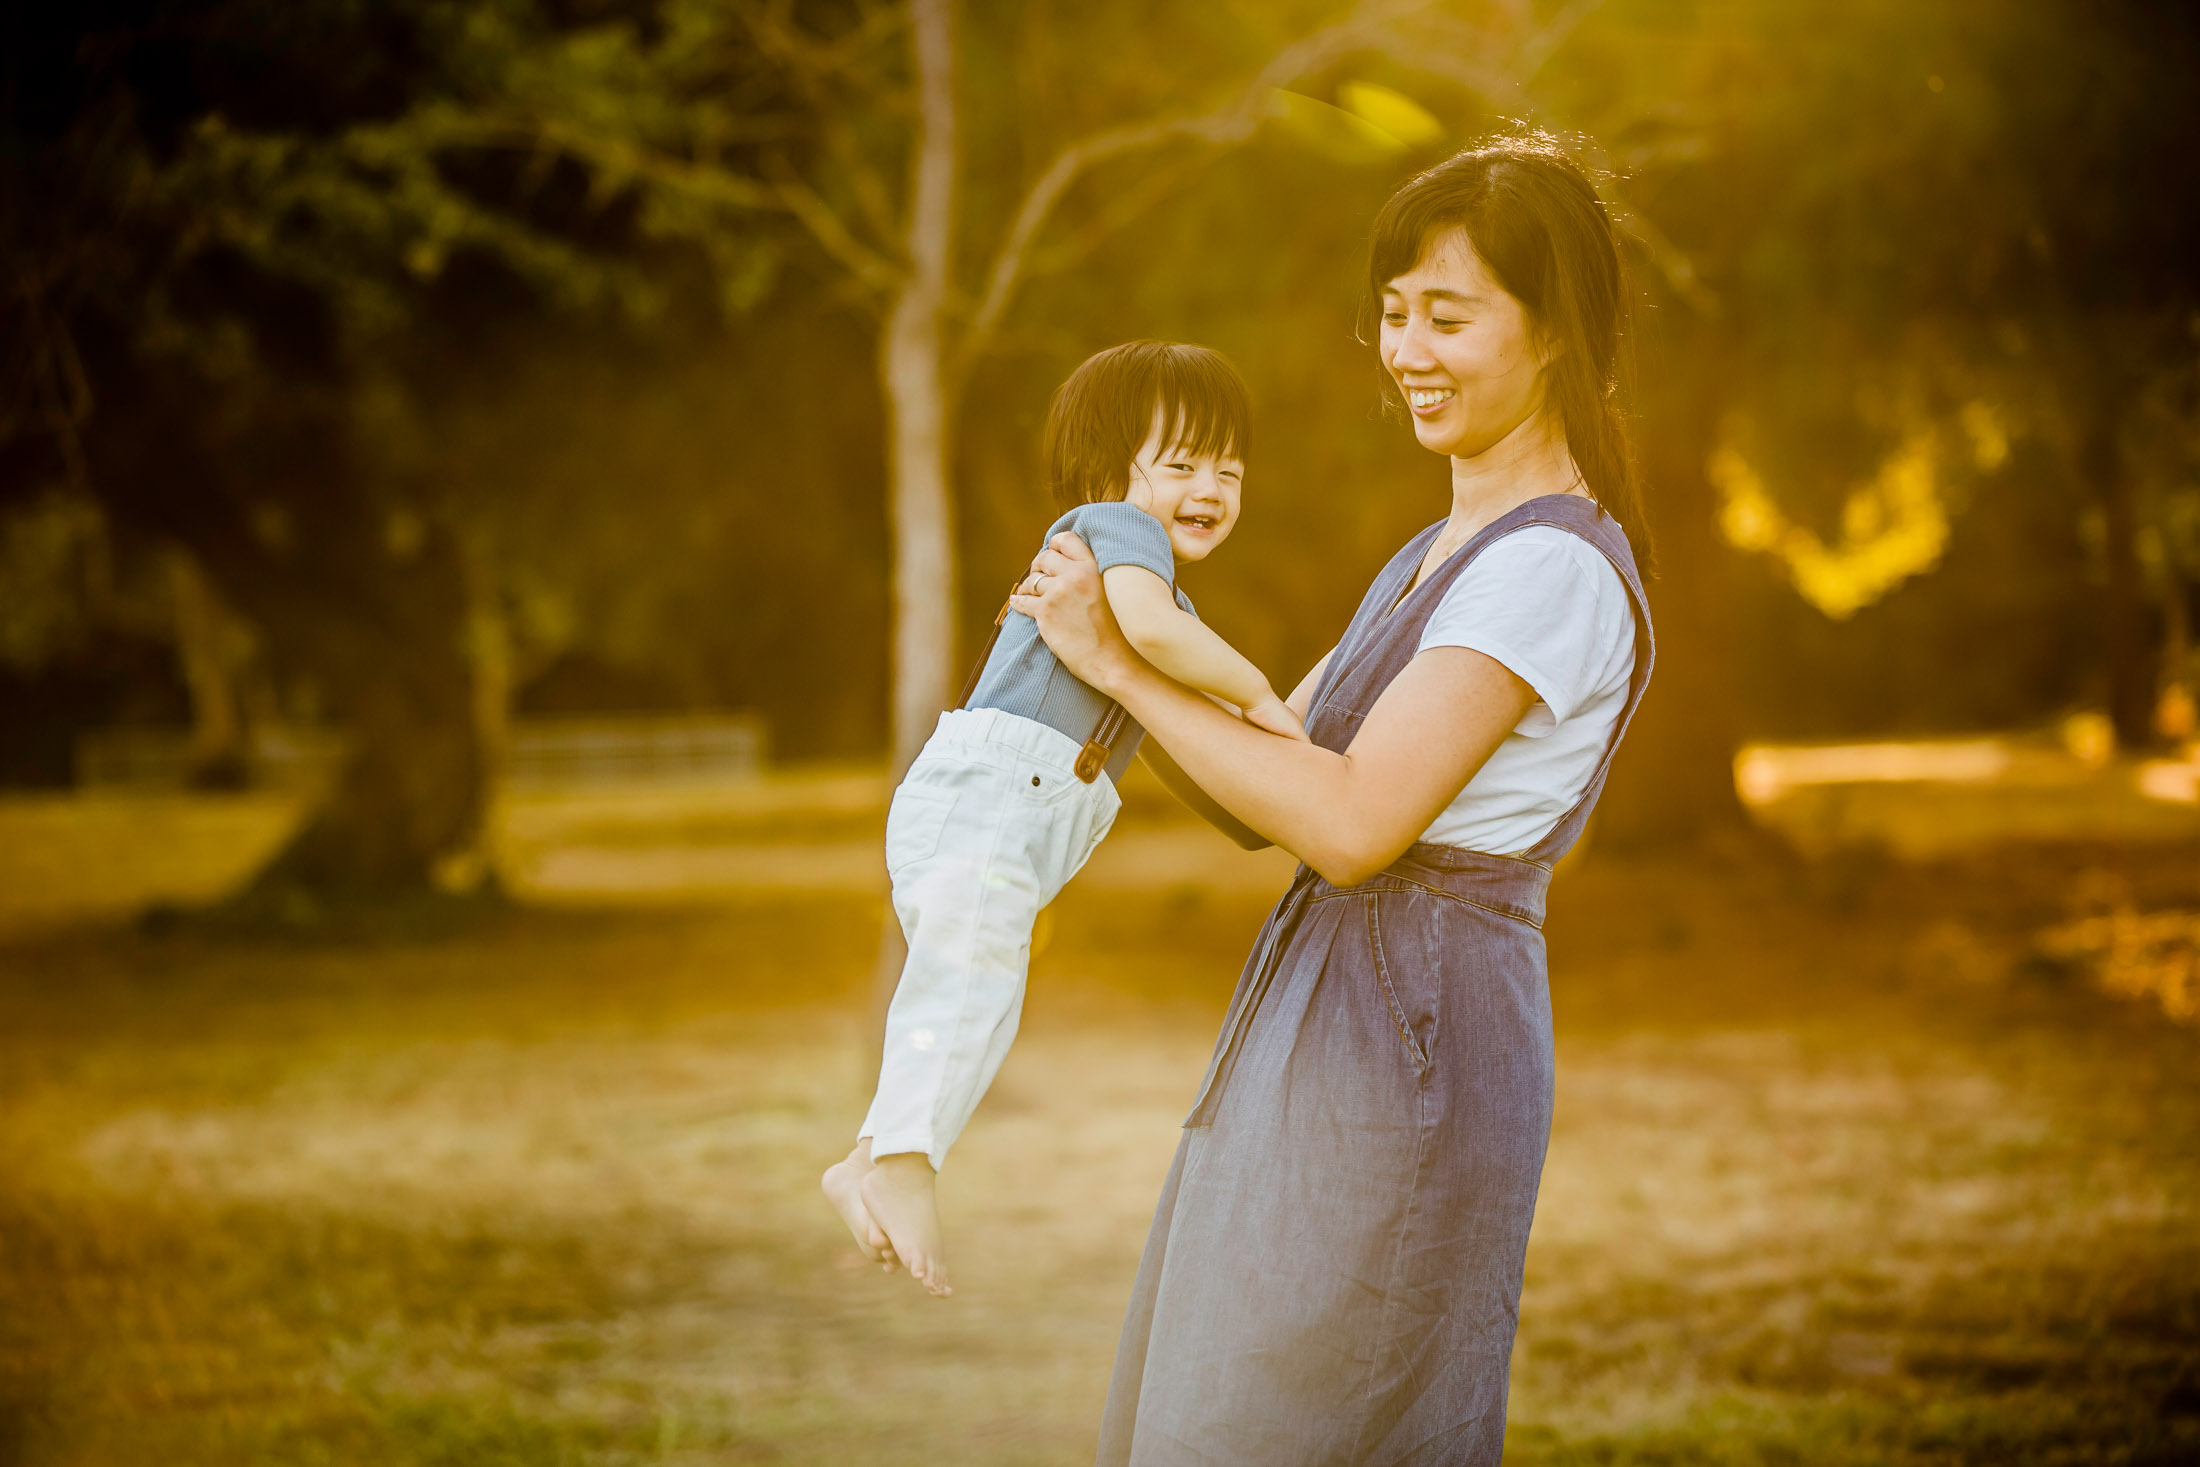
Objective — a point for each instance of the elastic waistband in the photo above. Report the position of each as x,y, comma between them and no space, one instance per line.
990,728
1508,885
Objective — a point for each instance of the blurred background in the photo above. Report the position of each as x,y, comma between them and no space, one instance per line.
492,490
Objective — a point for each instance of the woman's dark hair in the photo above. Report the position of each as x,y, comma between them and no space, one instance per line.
1535,220
1100,417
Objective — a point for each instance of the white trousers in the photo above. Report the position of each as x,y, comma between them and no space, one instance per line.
989,824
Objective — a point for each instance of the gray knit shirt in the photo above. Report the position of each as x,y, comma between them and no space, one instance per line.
1024,678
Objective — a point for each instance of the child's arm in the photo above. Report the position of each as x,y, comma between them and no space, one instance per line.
1185,648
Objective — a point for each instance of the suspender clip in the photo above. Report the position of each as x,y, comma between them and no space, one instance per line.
1093,757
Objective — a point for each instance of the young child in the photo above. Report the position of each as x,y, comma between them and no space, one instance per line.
1145,447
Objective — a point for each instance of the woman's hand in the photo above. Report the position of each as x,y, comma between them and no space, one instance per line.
1064,595
1277,716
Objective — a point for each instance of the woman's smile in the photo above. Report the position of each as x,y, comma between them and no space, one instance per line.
1427,402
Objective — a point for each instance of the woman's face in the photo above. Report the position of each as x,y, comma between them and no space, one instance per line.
1461,349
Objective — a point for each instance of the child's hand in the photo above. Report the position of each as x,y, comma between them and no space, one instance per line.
1275,715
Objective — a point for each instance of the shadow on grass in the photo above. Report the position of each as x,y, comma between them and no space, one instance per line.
239,1333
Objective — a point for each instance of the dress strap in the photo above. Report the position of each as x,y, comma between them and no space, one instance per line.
1385,636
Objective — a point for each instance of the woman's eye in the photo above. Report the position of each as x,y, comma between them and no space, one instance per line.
1394,318
1444,325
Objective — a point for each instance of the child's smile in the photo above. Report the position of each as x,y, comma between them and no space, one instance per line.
1194,495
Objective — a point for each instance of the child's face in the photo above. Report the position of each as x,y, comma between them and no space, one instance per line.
1195,496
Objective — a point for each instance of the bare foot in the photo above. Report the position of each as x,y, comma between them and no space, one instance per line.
843,1187
898,1191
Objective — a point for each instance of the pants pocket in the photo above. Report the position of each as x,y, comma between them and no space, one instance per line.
913,824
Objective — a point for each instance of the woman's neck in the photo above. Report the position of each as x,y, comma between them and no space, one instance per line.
1527,463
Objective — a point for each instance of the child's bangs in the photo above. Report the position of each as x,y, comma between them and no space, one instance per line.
1203,405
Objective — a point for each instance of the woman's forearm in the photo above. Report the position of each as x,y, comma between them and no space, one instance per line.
1286,790
1197,800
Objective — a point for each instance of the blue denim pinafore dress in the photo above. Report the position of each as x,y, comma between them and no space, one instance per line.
1334,1270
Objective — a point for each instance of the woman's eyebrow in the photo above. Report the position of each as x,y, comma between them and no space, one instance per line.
1439,293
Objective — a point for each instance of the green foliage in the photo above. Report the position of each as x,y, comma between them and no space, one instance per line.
589,288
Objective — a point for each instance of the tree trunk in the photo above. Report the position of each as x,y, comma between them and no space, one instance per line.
2131,682
206,645
913,372
361,591
1673,782
404,813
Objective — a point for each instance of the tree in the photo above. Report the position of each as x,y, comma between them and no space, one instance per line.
874,92
1890,240
234,279
216,272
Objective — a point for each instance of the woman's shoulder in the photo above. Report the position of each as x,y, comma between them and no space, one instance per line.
1547,556
1531,585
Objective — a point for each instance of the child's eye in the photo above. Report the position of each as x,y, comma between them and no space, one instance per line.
1444,324
1181,468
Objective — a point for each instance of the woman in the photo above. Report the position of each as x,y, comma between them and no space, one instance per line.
1334,1269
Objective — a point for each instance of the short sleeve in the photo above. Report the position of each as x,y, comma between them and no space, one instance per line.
1551,608
1123,534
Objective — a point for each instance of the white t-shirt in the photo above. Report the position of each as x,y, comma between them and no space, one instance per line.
1549,606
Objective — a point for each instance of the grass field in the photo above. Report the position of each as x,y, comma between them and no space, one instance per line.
1847,1167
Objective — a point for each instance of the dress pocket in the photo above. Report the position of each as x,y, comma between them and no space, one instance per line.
1402,985
913,824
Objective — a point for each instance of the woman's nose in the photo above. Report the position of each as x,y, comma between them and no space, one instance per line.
1412,350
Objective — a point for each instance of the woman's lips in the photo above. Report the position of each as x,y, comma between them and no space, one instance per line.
1427,402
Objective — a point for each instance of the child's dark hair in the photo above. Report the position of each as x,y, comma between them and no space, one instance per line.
1100,417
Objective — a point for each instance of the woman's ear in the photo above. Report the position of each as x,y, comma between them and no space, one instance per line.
1549,347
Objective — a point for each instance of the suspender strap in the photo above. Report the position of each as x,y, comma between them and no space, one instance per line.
1093,757
977,669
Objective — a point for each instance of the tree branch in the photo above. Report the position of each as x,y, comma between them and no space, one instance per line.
615,156
784,192
875,270
1538,48
1373,26
1224,126
1134,201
